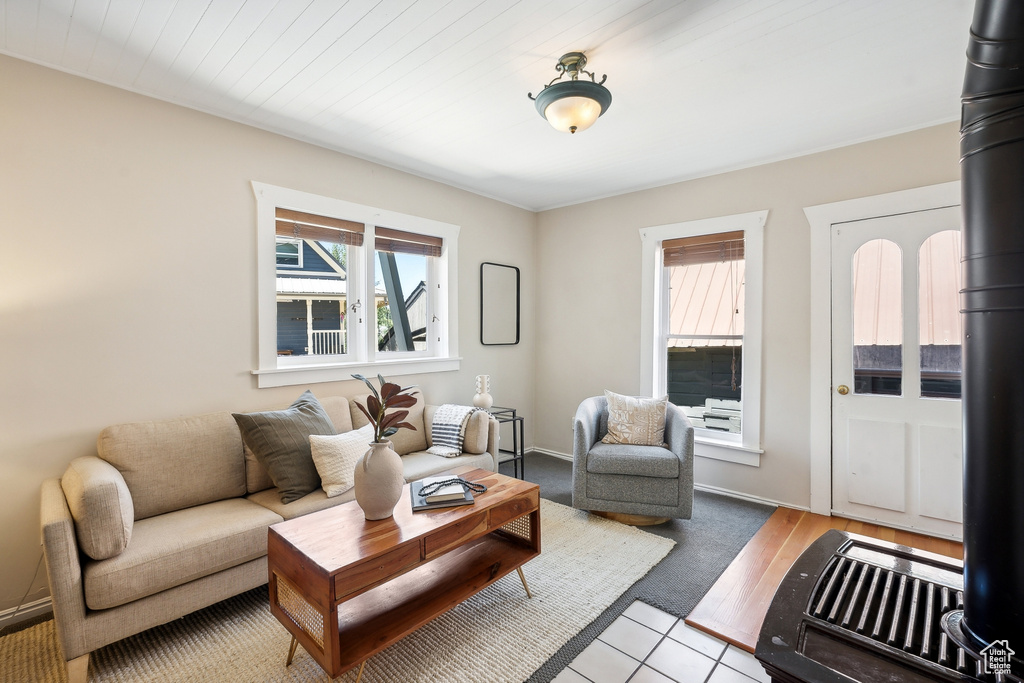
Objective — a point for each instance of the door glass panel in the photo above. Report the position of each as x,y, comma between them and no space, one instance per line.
939,289
878,318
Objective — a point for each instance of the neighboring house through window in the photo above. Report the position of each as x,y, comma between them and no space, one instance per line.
701,336
339,293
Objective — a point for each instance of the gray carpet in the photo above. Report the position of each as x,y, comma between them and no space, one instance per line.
705,545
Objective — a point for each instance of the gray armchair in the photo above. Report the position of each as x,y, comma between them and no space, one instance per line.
635,484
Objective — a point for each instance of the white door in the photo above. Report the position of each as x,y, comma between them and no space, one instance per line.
896,434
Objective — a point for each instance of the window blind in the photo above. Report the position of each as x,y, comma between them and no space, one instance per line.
401,242
717,248
310,226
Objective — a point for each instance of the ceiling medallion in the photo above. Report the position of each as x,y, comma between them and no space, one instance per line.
572,105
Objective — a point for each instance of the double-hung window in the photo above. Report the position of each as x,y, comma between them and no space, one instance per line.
701,331
345,288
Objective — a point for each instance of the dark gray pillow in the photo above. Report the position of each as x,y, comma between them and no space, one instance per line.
280,441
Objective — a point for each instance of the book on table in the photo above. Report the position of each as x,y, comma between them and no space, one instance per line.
448,496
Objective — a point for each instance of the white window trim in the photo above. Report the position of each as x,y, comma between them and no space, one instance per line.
442,302
744,448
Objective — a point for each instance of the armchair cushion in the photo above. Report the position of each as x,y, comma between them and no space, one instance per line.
101,506
637,421
637,461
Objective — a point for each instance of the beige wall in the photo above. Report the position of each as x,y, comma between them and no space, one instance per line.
127,275
588,265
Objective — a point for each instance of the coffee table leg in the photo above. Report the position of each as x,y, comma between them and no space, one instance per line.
291,651
523,579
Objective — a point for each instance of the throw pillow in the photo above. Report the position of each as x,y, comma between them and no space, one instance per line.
280,441
636,421
336,458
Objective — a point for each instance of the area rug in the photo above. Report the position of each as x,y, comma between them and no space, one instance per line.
497,636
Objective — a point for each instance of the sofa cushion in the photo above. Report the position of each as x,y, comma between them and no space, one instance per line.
336,458
280,441
422,464
311,502
475,441
405,440
174,548
638,421
178,463
100,505
635,461
256,476
340,412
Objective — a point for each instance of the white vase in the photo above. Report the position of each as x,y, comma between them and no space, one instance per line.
483,399
379,481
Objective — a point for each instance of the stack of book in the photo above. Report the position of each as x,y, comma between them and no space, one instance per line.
447,496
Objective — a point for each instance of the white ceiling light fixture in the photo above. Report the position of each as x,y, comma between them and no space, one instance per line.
572,105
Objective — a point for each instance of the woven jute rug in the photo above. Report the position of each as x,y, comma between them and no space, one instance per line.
497,636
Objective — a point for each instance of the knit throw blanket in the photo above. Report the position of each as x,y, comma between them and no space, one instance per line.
449,429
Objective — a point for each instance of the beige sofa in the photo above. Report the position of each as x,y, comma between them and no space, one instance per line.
170,517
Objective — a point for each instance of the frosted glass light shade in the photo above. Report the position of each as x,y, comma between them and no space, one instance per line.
573,103
572,114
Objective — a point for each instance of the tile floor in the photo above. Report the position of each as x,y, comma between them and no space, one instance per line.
646,645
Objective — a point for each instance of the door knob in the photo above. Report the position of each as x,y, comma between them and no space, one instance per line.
843,389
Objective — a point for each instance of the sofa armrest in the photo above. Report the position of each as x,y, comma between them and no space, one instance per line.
63,569
101,506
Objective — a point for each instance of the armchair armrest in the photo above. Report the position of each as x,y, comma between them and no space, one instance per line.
679,437
585,425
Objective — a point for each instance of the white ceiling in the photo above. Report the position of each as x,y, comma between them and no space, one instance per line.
438,87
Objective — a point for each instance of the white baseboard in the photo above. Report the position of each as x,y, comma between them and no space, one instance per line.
746,496
553,454
12,616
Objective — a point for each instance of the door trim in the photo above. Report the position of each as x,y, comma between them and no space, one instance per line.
821,219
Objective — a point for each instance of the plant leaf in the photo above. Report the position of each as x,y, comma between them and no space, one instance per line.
373,405
394,417
405,425
365,412
402,401
388,390
388,432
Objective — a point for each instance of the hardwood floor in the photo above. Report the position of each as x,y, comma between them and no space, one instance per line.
735,606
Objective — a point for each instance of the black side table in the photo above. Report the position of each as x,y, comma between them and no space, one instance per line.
504,415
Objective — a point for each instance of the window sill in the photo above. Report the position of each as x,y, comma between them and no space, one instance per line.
729,451
336,372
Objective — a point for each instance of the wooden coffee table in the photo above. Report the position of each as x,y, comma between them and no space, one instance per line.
346,588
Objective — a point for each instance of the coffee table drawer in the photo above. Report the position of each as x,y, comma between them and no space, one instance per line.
455,534
367,573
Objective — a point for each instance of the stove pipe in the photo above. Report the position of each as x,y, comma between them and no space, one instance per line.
992,167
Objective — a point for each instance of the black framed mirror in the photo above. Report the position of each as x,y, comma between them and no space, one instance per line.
499,304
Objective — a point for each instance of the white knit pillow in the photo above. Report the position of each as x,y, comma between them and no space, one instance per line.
336,456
